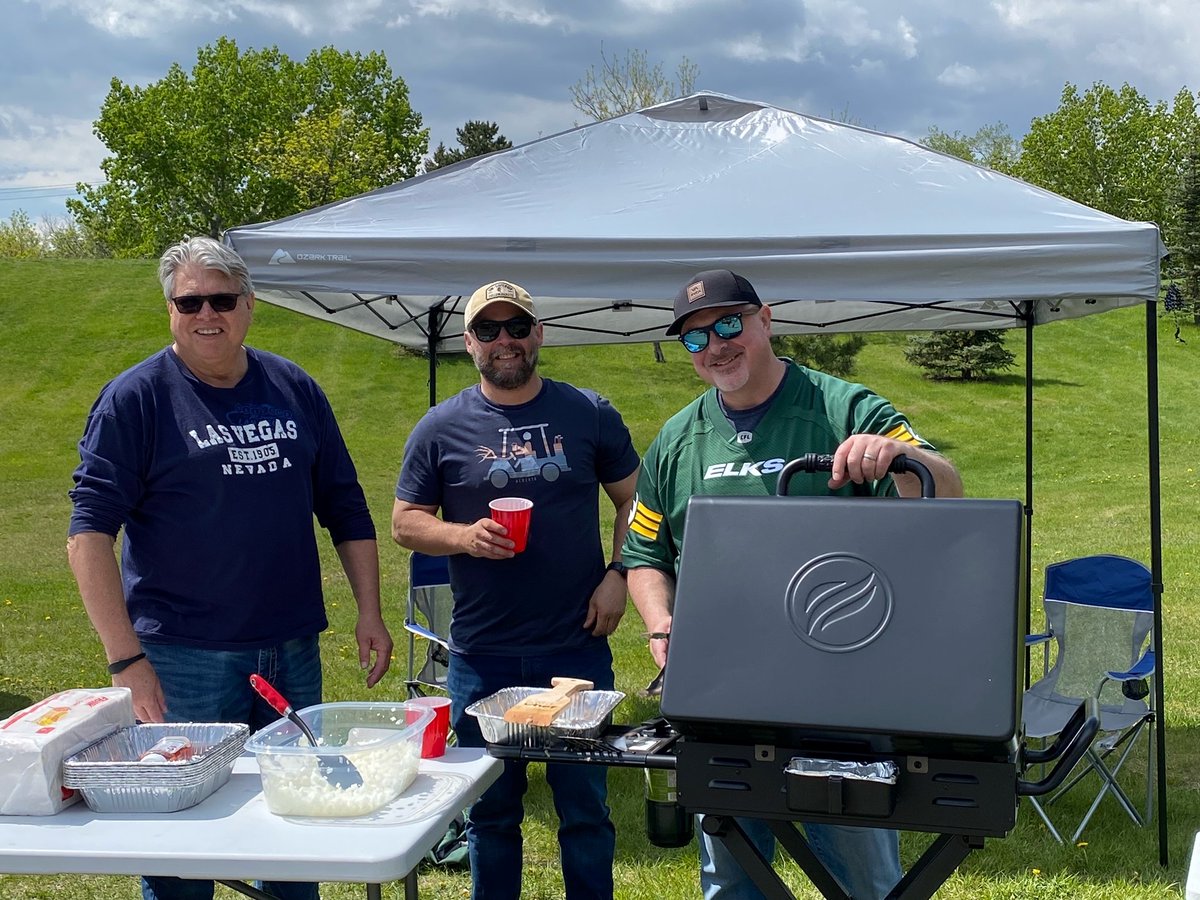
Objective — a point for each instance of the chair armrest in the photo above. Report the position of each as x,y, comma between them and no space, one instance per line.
421,631
1143,667
1032,640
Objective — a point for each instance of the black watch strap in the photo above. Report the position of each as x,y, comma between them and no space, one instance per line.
116,668
618,567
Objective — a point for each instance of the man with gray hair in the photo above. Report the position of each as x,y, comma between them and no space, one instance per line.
213,457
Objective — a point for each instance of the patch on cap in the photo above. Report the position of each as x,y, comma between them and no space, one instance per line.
695,292
500,290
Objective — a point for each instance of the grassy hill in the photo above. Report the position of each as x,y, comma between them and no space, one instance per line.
70,326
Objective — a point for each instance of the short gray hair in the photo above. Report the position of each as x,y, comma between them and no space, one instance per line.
206,253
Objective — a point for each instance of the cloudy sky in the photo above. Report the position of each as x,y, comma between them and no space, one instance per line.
894,65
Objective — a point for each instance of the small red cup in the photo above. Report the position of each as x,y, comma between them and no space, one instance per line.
433,744
514,514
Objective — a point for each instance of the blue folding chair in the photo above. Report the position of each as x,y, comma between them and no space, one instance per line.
1099,613
429,596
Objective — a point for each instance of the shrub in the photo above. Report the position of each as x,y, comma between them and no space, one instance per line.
19,239
830,353
959,355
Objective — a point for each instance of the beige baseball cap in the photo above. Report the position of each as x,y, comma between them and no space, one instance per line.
497,292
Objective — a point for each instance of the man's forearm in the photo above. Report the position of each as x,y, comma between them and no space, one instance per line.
360,561
653,594
94,564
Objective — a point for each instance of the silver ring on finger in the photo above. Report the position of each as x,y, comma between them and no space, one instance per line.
868,456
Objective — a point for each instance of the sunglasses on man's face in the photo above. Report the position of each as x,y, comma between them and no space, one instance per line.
190,304
487,330
727,327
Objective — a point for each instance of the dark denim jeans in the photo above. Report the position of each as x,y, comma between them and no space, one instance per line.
214,686
586,837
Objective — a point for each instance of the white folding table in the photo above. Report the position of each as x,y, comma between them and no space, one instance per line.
233,838
1193,882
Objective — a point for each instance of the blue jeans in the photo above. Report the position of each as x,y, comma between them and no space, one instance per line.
214,686
586,837
865,861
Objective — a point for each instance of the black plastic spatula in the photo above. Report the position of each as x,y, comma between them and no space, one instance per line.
335,769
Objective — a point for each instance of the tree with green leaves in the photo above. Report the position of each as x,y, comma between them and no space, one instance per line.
623,85
959,355
19,237
475,138
1114,151
245,137
833,354
990,146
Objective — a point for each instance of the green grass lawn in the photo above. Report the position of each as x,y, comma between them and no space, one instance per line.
70,326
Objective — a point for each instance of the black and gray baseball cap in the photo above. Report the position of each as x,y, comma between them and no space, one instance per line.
711,288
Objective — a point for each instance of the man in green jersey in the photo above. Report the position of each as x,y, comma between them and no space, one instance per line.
732,440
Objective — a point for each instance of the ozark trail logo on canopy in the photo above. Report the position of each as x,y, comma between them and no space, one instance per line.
280,256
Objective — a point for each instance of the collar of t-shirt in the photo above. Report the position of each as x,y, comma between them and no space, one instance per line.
744,421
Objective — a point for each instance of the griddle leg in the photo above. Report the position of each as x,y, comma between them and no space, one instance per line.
748,856
797,847
936,864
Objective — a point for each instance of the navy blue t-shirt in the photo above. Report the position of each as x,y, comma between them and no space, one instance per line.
555,450
216,489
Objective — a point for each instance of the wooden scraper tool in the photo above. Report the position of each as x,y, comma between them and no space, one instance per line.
540,709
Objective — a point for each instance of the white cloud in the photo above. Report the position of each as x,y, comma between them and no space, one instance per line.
524,13
959,76
44,153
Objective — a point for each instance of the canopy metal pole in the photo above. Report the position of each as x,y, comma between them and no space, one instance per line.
1029,322
1156,573
437,317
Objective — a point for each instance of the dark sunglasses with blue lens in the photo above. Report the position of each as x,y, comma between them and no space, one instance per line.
487,330
727,327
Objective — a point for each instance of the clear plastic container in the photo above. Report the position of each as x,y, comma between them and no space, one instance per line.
382,741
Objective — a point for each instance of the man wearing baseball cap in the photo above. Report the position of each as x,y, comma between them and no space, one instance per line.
523,618
761,412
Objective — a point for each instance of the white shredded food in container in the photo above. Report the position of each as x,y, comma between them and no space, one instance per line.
294,786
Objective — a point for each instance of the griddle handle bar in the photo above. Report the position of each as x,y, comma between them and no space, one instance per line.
1073,741
660,760
823,462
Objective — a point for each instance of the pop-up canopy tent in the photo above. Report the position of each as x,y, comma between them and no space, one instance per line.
838,228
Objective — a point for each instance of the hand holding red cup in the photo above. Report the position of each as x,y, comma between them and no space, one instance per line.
514,514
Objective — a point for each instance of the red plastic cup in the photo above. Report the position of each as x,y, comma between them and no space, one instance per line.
514,514
433,744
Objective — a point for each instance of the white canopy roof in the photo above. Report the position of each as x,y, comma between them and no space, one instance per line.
839,228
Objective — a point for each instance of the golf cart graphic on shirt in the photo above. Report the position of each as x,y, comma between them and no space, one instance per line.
525,451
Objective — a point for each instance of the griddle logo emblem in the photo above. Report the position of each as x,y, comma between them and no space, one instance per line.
839,603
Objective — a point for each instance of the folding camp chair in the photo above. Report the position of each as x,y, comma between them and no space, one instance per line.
1099,612
428,595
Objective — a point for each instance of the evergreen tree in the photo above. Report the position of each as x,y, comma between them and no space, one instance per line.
830,353
475,138
959,355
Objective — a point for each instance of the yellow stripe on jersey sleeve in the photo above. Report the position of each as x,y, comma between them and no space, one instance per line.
645,521
902,433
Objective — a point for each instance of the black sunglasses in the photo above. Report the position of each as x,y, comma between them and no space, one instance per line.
190,304
487,330
727,327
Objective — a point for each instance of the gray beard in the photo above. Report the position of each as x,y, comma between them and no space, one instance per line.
509,380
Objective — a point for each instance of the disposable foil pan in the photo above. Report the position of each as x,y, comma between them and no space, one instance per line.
110,777
585,717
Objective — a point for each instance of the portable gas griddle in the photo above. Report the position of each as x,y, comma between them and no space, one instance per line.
855,661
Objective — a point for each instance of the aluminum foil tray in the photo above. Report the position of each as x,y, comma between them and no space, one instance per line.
586,717
111,779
